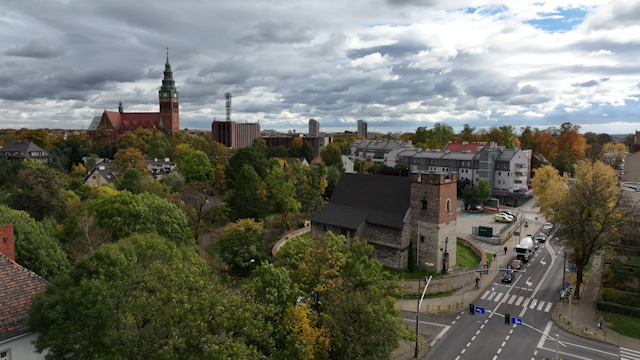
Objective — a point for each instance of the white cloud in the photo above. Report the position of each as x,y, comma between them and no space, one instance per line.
534,114
370,61
601,52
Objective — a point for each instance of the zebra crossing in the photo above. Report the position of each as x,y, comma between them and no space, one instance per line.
628,354
517,300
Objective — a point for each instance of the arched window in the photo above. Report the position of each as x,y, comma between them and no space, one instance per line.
448,205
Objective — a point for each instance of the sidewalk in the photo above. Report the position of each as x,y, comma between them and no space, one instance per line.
584,319
454,303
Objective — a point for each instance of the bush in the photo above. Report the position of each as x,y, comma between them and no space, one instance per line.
620,297
618,309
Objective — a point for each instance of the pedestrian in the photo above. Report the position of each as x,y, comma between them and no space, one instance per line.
600,322
495,255
505,250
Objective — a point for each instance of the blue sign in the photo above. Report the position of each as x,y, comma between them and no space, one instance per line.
574,269
479,310
567,285
517,321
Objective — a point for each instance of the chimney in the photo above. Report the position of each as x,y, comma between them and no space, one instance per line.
6,241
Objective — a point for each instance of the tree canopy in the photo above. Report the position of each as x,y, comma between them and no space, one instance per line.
196,167
241,242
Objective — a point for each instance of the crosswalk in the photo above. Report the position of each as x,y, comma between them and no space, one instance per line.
628,354
534,304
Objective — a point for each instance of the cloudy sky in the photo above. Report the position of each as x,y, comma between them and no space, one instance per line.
397,64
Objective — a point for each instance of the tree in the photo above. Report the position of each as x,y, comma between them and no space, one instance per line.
159,146
261,146
241,242
129,158
613,154
40,191
36,249
333,176
198,198
467,133
174,181
86,237
180,152
331,155
306,151
476,195
249,156
508,135
131,181
282,152
587,208
248,197
217,153
281,190
296,147
124,214
196,167
147,299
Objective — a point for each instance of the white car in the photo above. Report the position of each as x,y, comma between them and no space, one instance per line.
509,213
505,214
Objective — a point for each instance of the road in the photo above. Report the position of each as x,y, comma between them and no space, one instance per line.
531,298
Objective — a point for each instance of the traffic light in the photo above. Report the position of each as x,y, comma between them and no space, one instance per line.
569,291
507,319
472,309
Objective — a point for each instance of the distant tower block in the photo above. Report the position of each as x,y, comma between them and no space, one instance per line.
228,97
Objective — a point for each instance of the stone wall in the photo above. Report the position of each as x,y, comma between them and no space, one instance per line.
388,245
447,283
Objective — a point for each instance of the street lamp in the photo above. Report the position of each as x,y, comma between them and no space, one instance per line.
428,264
251,265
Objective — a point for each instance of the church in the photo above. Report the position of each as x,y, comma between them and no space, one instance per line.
120,122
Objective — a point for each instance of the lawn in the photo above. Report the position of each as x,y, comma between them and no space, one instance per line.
466,257
625,325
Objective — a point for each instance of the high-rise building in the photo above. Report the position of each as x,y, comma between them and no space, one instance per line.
234,135
362,128
314,128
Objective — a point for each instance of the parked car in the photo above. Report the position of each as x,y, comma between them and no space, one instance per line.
516,264
507,215
476,208
508,276
547,225
536,244
544,231
541,238
503,218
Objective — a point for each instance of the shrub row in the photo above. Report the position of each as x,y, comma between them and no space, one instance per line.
620,297
618,309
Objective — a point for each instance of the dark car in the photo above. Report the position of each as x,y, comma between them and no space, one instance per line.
516,264
541,238
476,208
536,244
508,276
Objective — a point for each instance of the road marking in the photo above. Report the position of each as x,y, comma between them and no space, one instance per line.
629,354
535,353
542,262
468,344
481,326
510,331
544,277
526,302
573,355
486,321
513,297
463,350
549,305
504,342
543,337
453,322
491,296
499,350
458,357
440,335
507,338
458,317
527,282
498,297
477,332
519,300
473,338
541,305
485,295
495,357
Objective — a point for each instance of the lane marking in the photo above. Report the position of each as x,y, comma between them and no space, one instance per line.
540,305
440,335
453,322
526,302
458,317
543,337
504,342
477,332
630,351
513,297
481,326
463,350
499,350
485,295
549,305
491,296
498,297
519,300
544,277
473,338
468,344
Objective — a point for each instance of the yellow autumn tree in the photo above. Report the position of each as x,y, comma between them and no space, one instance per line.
317,339
612,154
78,170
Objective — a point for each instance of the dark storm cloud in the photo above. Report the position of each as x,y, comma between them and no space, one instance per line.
421,3
496,91
36,48
589,83
276,32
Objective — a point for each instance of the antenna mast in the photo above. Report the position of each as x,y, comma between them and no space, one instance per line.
228,97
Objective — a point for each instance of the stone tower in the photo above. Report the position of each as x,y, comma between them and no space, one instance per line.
433,212
169,102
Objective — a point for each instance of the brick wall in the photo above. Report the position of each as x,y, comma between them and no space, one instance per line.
7,241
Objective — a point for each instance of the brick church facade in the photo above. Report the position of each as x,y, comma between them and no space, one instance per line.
391,213
120,122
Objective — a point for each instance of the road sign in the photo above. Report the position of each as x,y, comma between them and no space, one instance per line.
480,310
574,269
485,231
516,233
517,321
567,285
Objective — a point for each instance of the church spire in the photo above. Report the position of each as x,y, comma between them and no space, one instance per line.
120,107
168,89
167,63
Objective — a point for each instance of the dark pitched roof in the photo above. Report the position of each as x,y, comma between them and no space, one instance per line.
23,149
378,199
18,286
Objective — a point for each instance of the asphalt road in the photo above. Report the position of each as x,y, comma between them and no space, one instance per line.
531,298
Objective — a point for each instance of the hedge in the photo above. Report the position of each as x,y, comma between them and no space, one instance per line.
618,309
620,297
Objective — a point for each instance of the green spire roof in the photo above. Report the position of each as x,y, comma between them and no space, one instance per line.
168,89
161,122
167,63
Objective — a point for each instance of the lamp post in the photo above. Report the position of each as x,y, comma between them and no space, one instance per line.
251,265
418,312
428,266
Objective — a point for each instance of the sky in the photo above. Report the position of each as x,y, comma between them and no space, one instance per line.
397,64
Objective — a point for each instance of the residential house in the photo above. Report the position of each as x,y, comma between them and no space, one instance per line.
291,160
631,172
389,212
18,285
17,151
374,150
347,164
102,172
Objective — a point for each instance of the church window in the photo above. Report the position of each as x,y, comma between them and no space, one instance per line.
421,239
424,204
448,205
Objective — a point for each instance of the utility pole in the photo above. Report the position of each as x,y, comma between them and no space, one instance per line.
418,312
557,346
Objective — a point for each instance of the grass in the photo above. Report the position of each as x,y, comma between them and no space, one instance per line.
466,257
405,274
430,296
489,260
623,324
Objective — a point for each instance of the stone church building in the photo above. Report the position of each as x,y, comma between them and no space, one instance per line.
391,213
120,122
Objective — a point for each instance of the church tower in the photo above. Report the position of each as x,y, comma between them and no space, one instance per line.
169,110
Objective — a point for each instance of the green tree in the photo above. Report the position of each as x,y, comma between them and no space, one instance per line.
174,180
130,180
241,242
476,195
296,146
36,248
508,135
282,152
129,158
468,133
124,214
331,155
147,299
196,167
249,156
198,198
306,151
333,176
248,197
261,146
589,209
159,146
41,192
180,152
281,191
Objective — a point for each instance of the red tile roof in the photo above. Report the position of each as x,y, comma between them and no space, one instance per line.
317,160
458,147
132,121
17,286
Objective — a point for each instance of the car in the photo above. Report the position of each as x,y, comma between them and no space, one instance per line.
516,264
536,244
544,231
509,213
502,218
476,208
541,238
508,276
547,225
